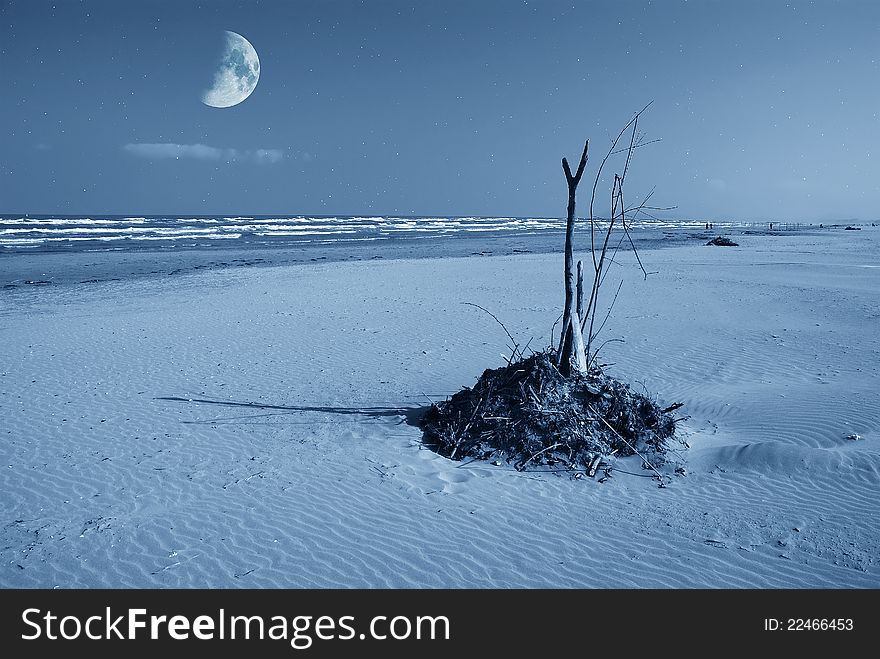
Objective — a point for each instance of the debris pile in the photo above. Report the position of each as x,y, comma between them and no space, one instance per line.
531,416
721,241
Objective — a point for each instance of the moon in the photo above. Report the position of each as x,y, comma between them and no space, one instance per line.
236,75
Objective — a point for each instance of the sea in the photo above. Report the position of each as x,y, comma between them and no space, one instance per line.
79,233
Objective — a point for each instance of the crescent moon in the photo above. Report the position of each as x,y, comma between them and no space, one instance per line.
236,75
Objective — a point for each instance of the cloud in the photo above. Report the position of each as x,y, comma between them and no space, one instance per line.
267,155
175,151
171,151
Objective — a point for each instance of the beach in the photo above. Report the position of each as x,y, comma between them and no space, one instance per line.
256,427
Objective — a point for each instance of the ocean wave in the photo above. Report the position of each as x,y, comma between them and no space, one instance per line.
56,221
130,232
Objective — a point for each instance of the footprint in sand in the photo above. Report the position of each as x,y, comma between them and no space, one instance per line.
453,481
430,473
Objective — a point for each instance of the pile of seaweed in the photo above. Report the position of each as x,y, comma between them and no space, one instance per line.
530,415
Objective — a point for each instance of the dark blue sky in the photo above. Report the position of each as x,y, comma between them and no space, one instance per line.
765,110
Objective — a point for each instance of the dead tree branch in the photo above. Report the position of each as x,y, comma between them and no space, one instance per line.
572,354
515,348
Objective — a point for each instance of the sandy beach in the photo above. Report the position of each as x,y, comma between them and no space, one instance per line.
233,427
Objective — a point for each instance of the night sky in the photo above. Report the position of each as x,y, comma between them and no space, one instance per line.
764,110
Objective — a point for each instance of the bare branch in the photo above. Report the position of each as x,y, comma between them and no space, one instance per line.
521,466
610,307
583,163
602,166
571,349
602,345
629,152
579,315
566,169
553,326
515,344
638,145
633,245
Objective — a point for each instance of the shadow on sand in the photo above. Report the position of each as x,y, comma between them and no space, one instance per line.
412,416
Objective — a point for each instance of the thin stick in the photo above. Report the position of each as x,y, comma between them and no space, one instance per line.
523,465
552,328
515,344
639,145
610,307
464,431
580,292
599,172
599,349
644,459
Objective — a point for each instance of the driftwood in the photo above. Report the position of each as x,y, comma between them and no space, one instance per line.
572,355
520,466
721,241
531,416
594,466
